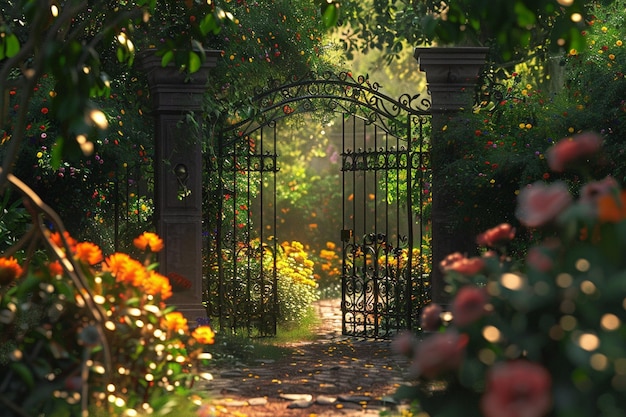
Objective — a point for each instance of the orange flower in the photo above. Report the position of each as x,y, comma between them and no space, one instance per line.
125,269
55,268
148,239
204,335
9,270
175,321
56,239
88,253
611,208
157,284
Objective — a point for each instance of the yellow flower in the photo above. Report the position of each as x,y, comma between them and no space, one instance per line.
148,239
157,284
175,321
619,43
204,335
611,56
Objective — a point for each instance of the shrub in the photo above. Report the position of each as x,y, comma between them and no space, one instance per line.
539,337
81,330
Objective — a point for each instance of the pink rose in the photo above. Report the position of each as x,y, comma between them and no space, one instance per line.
499,234
570,150
449,260
469,305
538,259
439,353
404,343
590,192
517,389
431,317
538,204
467,266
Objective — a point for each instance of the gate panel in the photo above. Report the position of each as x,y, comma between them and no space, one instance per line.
382,285
241,290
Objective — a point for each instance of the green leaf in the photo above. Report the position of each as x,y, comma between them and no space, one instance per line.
24,373
56,156
330,14
208,24
121,54
525,17
167,58
12,45
194,62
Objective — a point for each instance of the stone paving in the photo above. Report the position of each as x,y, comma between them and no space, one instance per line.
334,375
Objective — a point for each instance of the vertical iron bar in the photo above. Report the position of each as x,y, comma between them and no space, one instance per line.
219,236
376,271
234,290
116,221
343,223
409,210
247,244
275,305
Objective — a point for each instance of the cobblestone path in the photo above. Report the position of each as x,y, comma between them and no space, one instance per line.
331,376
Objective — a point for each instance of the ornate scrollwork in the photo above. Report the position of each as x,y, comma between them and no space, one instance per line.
331,92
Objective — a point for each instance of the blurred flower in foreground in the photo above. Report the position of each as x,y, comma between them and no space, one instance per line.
517,389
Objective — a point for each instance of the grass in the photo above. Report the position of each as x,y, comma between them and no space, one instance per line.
232,348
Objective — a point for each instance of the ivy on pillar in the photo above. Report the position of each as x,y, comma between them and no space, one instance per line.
176,96
451,74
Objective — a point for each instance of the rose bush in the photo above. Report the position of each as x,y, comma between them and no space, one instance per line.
538,336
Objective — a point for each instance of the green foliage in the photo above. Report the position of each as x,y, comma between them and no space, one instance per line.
512,27
488,156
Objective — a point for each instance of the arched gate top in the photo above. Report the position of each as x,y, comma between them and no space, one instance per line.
329,92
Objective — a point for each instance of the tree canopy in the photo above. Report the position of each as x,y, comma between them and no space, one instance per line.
513,28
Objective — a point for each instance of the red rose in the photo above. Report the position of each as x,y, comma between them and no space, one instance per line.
539,203
498,234
517,389
569,150
431,317
439,353
469,305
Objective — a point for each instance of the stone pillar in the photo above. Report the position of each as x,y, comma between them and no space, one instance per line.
178,176
451,74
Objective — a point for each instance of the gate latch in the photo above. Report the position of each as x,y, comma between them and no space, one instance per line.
346,235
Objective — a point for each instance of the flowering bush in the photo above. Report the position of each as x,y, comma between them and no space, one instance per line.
105,340
541,336
296,284
490,155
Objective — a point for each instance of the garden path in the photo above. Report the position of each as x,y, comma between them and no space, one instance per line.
334,375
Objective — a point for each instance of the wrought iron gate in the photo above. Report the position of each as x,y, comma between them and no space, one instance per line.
385,168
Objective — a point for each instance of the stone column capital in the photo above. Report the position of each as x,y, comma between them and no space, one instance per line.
172,90
451,73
